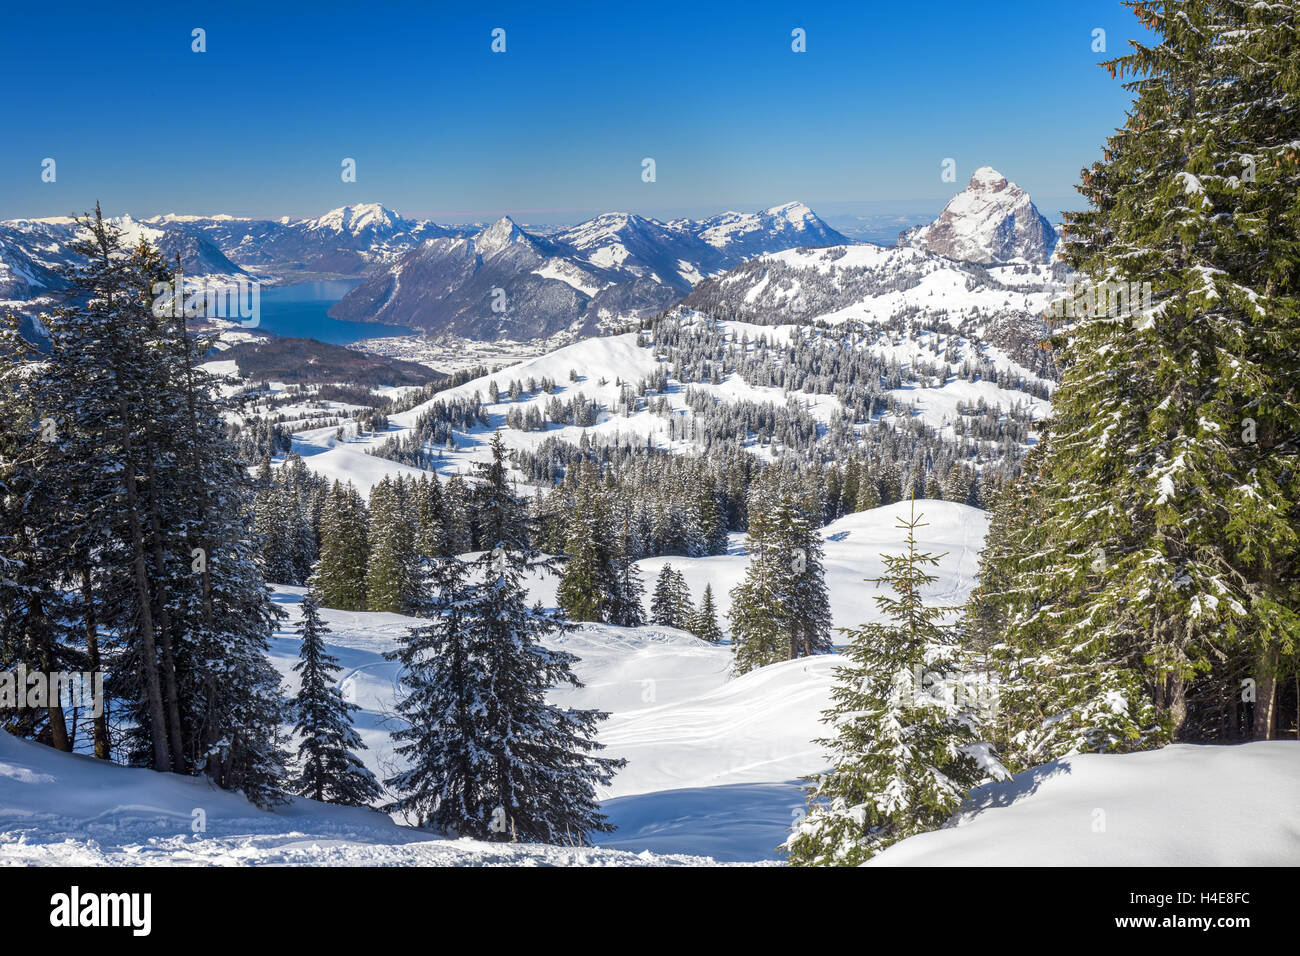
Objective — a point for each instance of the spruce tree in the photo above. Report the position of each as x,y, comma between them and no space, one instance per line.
392,571
1165,556
529,772
671,605
328,769
340,579
905,751
704,622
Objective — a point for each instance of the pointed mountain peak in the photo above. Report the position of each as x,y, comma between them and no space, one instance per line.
497,236
991,221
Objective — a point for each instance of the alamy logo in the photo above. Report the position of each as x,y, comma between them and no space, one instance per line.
1094,299
36,690
74,909
236,300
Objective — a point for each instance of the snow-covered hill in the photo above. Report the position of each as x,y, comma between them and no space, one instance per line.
1184,805
713,761
604,368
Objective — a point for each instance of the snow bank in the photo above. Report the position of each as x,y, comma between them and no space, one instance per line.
1181,806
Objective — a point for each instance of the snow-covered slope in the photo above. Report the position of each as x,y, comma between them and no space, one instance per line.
1181,806
714,761
60,809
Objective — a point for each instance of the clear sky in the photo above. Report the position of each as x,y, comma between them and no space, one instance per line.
557,126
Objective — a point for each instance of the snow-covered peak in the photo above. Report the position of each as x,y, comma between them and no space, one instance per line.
987,178
354,220
991,221
497,236
793,212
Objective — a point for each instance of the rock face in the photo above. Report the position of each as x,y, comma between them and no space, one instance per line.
992,221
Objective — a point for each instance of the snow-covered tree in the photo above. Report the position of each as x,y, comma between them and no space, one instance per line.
328,768
670,604
704,622
491,758
905,748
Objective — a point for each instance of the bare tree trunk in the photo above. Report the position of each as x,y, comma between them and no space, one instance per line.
100,723
170,694
162,759
1265,696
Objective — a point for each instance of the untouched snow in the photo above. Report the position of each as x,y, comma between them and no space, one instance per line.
1181,806
61,809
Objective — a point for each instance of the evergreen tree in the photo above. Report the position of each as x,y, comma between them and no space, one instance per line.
671,605
392,571
1165,552
340,579
150,526
904,752
781,609
704,622
516,767
328,768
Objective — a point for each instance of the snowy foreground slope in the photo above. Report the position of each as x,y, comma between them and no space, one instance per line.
1181,806
713,760
61,809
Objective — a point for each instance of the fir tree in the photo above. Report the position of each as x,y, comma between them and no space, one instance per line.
904,752
704,622
328,768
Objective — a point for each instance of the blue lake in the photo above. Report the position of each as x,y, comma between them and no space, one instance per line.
300,311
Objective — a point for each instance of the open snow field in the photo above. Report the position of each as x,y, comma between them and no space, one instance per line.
713,761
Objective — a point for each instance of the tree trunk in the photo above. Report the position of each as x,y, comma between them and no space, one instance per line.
1265,696
162,760
1177,704
100,723
39,630
170,695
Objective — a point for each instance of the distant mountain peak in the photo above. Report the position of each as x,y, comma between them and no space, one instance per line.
793,211
988,178
504,232
358,218
991,221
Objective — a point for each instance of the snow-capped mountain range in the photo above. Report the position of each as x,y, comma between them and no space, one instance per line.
33,250
503,282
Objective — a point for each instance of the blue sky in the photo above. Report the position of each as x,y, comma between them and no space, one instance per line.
556,127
